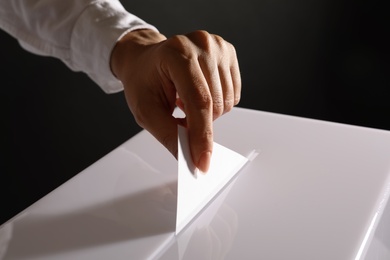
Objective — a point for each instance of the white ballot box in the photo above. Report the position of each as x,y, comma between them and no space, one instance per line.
315,190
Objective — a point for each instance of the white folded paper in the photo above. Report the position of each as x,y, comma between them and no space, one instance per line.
195,190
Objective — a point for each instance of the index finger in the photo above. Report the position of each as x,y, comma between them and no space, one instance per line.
194,92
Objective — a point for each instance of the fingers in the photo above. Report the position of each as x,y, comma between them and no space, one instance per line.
235,76
196,100
202,68
219,64
208,83
228,90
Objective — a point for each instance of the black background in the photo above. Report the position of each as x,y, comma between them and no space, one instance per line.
326,60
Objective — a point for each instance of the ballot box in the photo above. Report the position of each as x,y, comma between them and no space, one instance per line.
313,190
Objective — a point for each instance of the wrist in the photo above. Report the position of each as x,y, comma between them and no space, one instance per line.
130,47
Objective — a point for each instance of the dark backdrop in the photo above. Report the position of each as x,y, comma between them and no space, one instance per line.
321,59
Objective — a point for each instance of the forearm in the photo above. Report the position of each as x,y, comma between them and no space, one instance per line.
82,33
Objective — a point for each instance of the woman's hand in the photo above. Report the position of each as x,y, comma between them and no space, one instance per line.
198,72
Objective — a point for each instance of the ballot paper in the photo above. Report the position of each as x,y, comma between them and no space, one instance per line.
195,190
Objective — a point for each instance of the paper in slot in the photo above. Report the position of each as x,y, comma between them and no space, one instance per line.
195,190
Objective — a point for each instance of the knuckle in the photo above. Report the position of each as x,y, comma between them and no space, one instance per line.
230,51
203,100
200,35
177,42
228,105
221,43
232,48
179,45
207,136
218,108
203,40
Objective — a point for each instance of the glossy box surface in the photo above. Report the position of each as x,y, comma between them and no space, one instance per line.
316,190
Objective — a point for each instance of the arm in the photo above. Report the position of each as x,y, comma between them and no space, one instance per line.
81,33
101,39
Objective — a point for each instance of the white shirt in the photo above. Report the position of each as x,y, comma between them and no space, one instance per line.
81,33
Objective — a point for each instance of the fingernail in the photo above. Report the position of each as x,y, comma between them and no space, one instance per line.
204,162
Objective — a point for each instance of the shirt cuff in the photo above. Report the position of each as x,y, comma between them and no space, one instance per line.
95,34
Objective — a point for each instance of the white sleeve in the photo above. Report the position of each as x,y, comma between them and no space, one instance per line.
81,33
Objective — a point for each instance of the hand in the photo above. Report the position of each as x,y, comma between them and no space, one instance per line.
198,72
